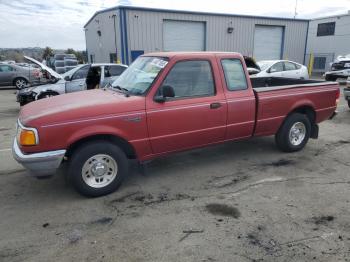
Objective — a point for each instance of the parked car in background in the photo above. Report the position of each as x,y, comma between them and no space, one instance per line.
82,77
252,67
18,76
165,103
282,68
340,68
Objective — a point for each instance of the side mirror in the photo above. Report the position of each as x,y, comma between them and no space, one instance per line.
67,78
272,70
166,91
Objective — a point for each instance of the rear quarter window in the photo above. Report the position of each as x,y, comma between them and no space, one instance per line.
114,70
234,74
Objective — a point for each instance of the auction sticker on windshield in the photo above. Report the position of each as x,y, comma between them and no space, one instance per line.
159,62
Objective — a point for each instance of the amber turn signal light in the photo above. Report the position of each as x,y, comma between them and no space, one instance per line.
27,138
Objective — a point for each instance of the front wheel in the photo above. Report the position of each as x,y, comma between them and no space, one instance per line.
21,83
97,168
294,133
349,103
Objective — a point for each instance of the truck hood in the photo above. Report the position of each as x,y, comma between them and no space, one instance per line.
79,106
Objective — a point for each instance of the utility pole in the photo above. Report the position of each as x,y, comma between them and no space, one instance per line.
295,10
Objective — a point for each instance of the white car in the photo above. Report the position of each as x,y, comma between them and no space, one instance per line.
80,78
282,68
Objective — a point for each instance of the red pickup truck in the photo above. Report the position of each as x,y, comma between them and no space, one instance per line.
165,103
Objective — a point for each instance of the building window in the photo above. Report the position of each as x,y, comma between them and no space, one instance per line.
319,63
113,57
326,29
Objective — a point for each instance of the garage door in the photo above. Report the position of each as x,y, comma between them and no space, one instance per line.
268,42
183,36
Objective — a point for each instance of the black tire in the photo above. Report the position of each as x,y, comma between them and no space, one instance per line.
349,103
47,95
20,83
330,78
282,138
88,151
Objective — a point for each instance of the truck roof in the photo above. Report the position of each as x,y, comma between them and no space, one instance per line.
192,54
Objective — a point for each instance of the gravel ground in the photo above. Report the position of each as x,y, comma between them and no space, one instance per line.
242,201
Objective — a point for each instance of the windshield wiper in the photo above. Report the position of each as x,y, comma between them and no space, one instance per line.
125,91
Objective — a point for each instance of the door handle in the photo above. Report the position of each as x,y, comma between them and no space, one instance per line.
215,105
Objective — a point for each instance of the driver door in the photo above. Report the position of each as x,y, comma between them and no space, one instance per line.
195,115
77,81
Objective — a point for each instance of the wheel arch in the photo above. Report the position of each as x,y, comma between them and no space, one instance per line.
307,110
128,149
38,96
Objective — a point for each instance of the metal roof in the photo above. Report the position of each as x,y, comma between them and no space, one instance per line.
128,7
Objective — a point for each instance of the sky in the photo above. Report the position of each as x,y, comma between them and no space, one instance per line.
59,23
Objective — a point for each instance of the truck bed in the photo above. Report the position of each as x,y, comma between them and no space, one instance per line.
277,97
281,82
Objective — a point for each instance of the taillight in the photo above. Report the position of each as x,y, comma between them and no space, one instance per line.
337,96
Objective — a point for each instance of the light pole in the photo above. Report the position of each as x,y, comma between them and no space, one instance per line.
295,10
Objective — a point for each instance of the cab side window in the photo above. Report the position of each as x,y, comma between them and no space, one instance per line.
81,73
234,74
5,68
278,67
191,79
114,70
289,66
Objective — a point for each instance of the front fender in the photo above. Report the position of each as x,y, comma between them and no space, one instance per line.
95,130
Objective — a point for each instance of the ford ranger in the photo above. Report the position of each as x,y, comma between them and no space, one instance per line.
165,103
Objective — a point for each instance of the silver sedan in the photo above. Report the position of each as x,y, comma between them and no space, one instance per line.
18,76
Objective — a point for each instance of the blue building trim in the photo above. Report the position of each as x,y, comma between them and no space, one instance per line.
121,36
188,12
307,36
125,25
282,44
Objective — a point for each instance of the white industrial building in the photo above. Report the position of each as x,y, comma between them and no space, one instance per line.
328,38
123,33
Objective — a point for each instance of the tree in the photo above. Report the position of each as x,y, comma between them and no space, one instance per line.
48,52
78,54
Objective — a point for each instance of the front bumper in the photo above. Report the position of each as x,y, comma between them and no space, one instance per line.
39,164
347,93
340,73
25,97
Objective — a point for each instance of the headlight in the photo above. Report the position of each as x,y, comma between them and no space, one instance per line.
27,136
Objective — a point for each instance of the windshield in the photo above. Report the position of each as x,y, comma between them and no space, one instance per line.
264,64
139,76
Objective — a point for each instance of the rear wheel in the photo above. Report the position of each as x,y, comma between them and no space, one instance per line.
294,133
97,168
20,83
